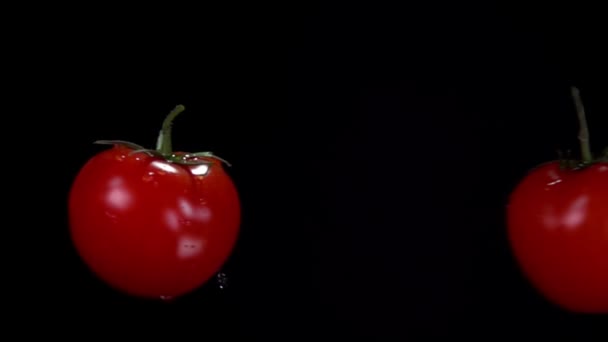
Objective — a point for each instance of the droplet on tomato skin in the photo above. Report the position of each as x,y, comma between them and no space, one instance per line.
167,299
192,211
189,247
148,177
184,222
185,206
202,214
111,216
553,175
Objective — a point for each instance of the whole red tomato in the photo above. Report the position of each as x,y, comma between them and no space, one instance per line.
154,223
558,229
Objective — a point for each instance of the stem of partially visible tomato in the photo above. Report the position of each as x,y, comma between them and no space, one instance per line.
583,136
557,226
586,158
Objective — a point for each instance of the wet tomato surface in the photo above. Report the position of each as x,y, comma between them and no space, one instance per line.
153,224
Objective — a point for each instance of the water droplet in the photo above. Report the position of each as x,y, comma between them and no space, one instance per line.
166,299
189,247
111,216
222,280
185,222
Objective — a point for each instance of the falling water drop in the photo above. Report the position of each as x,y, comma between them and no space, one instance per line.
222,280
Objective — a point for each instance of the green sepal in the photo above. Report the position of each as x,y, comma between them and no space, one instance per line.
208,155
150,152
164,147
119,143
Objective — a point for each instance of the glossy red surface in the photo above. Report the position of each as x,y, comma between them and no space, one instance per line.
558,229
152,228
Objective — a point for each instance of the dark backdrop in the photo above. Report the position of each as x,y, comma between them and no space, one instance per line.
374,147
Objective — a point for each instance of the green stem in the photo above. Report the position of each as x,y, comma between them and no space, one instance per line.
163,144
583,135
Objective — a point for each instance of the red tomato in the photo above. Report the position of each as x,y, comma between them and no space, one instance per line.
153,225
558,230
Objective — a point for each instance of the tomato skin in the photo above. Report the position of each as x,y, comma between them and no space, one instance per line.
558,231
151,228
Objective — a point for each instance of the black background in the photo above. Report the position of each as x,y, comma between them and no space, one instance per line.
374,147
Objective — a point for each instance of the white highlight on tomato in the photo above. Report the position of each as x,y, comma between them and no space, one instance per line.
192,211
185,206
576,213
118,197
573,217
164,167
200,170
172,219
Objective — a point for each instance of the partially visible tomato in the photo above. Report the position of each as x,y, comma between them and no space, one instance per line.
153,223
558,229
557,220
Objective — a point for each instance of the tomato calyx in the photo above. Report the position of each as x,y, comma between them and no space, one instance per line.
567,162
587,157
164,147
